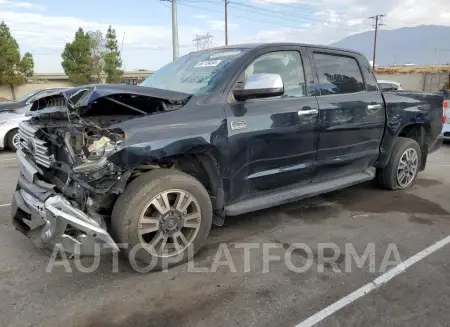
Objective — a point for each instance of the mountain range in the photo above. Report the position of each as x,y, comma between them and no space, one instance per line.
421,45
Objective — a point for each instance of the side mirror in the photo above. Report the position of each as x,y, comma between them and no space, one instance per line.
260,86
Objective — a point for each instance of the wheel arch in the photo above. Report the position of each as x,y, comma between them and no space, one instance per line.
203,163
7,135
417,132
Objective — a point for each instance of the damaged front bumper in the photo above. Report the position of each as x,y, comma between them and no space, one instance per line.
36,205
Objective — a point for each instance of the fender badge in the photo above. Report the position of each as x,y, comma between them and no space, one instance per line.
238,124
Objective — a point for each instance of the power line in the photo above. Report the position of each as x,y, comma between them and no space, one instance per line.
240,16
263,14
344,15
377,19
292,14
284,5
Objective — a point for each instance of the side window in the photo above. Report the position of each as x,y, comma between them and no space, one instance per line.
288,64
338,74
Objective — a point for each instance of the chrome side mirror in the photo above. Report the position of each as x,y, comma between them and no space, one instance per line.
260,86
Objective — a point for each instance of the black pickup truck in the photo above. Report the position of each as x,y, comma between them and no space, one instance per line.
216,133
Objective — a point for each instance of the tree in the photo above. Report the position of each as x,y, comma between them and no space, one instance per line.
27,64
13,70
97,45
112,61
78,59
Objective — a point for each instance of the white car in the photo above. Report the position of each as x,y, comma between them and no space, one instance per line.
446,127
13,112
390,85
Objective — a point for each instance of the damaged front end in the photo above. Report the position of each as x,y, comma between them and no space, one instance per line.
67,186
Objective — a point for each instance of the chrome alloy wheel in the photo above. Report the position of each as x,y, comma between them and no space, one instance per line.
169,223
16,140
407,167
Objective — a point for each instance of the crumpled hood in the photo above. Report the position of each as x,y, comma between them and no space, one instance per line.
84,95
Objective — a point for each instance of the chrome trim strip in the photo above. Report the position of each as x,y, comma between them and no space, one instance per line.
27,167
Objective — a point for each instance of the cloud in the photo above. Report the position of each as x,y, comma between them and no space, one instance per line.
150,46
145,46
201,16
215,24
275,1
345,17
8,4
220,25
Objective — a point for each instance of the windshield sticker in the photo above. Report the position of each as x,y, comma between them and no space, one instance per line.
208,63
224,54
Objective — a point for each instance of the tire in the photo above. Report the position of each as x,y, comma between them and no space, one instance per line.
388,177
11,139
140,199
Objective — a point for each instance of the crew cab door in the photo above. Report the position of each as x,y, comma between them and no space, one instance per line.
351,113
273,140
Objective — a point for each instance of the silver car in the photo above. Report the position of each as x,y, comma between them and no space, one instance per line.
390,85
13,112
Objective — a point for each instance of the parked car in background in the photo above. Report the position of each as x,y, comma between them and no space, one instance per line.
13,112
446,127
390,85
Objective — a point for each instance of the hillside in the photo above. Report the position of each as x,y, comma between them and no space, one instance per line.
416,45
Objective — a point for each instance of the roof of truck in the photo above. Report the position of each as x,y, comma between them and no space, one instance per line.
262,45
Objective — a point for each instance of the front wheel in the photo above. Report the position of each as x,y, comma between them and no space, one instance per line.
163,217
13,140
403,166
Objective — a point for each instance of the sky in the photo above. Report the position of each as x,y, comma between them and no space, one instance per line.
43,27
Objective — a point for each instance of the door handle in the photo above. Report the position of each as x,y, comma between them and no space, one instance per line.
374,107
307,112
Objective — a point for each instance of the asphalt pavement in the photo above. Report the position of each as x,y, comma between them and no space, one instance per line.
258,291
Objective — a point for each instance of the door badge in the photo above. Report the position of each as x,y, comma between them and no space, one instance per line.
238,124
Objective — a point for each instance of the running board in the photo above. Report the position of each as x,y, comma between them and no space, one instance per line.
294,194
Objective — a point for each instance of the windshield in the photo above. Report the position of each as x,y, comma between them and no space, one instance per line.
195,73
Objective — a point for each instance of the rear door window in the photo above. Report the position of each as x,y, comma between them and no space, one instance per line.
338,74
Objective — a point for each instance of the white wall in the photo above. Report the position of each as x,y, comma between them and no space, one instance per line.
429,82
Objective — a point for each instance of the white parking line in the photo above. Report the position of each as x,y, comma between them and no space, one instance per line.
5,205
438,164
7,159
376,283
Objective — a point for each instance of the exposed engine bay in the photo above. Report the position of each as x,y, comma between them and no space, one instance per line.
77,164
76,158
71,144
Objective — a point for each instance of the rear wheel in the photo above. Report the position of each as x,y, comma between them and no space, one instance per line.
403,166
164,217
13,140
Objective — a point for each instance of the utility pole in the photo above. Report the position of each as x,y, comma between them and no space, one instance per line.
377,19
226,22
174,29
